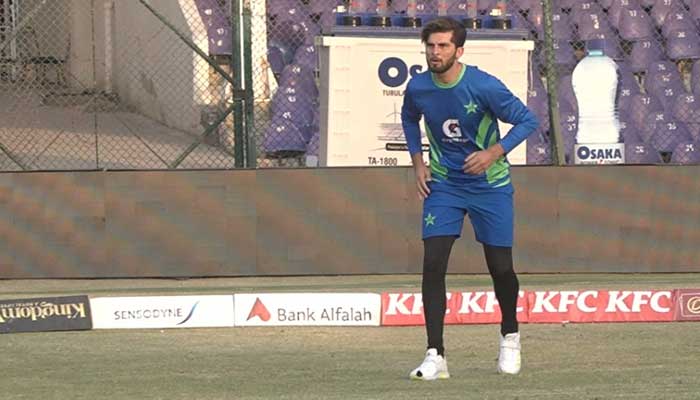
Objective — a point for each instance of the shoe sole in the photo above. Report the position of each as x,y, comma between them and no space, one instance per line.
500,371
441,375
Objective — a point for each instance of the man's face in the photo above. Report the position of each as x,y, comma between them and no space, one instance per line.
440,52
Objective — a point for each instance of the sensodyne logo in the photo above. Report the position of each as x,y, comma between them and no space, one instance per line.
451,129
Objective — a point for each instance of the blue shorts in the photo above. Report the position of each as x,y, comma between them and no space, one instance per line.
490,212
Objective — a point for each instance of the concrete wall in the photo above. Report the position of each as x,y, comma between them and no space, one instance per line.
333,221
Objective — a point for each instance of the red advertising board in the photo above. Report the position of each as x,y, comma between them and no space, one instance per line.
481,307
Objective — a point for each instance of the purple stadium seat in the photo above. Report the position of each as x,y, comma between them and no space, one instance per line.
643,53
661,9
669,135
635,24
485,6
299,77
566,93
640,153
694,7
652,123
594,26
537,102
275,57
323,6
683,44
307,57
289,103
677,20
217,25
562,26
628,87
640,107
282,137
538,152
564,4
568,121
667,94
629,134
616,9
686,153
661,74
686,109
563,53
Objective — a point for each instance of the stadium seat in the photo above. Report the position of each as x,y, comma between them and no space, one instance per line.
641,105
617,7
568,122
686,108
669,135
640,153
307,57
538,152
660,10
661,74
686,153
289,104
562,26
563,53
283,138
485,6
594,26
628,134
606,4
667,94
299,77
677,20
566,92
694,7
653,122
683,44
217,25
537,102
276,59
643,53
628,87
635,24
565,5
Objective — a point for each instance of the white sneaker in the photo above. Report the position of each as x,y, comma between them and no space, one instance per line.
433,367
509,354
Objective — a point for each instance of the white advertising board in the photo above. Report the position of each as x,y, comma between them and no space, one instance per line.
162,312
362,85
312,309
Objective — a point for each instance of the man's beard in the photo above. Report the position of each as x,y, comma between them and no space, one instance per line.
445,66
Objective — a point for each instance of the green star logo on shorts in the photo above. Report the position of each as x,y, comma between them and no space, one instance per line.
429,219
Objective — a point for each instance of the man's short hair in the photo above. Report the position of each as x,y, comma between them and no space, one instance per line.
445,24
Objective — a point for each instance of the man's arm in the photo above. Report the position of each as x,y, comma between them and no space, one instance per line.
410,119
508,108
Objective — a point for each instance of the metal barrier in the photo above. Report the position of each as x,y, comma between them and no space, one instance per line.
199,84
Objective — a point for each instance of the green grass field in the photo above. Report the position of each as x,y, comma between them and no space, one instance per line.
575,361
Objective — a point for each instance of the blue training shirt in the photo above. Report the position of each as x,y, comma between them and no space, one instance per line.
461,118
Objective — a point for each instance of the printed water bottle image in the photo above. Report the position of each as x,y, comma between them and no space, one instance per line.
595,83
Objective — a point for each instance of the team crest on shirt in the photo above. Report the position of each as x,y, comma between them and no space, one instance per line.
451,129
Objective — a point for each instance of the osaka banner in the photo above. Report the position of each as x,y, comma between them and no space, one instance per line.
45,314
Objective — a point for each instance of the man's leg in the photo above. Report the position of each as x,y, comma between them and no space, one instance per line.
505,283
435,258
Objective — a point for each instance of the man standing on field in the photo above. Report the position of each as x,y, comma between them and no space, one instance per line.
468,175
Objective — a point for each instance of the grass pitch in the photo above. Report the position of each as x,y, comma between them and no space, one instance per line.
575,361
